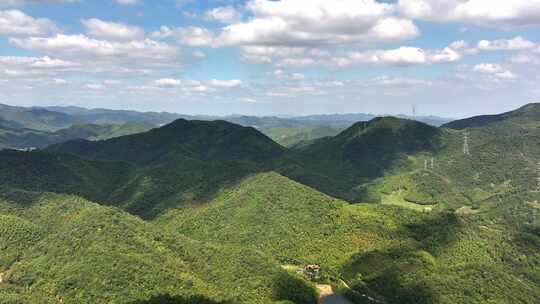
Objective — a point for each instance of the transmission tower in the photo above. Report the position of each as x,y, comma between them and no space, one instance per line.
414,112
432,165
466,144
425,165
538,178
362,129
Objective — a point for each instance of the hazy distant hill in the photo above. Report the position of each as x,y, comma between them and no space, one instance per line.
349,119
288,131
106,116
33,118
23,138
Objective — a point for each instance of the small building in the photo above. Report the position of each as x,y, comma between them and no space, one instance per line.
312,270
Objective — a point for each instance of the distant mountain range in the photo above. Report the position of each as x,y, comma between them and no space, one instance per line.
23,138
38,127
98,116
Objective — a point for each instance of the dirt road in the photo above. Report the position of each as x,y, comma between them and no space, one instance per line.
329,297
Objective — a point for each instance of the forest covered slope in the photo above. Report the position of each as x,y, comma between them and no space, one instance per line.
393,210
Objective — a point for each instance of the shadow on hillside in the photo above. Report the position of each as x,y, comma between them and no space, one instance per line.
376,152
528,239
41,171
158,189
146,192
338,165
18,197
178,179
400,274
436,232
168,299
396,275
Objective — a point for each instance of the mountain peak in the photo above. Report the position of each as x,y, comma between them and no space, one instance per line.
377,137
181,139
526,113
386,124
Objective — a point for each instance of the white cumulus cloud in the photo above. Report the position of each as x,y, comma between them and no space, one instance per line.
318,22
225,14
77,45
16,22
496,71
483,12
515,44
297,23
112,30
403,56
226,83
36,62
168,82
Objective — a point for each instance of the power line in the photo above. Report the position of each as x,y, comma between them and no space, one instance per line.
538,178
466,150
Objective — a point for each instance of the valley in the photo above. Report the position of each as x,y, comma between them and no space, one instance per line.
269,152
392,210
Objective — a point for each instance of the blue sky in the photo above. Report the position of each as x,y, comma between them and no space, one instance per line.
451,58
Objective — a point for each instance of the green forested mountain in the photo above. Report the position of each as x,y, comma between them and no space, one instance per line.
361,153
182,163
526,114
211,212
202,140
61,248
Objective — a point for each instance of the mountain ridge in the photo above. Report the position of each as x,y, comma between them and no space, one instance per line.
531,110
191,138
392,207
